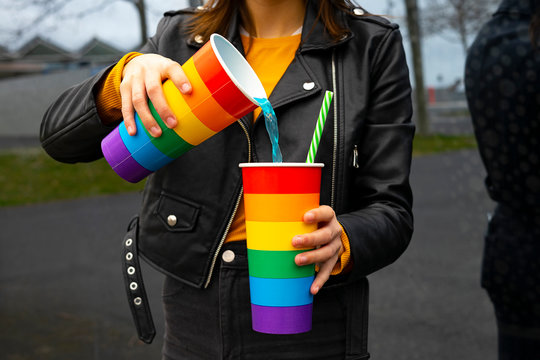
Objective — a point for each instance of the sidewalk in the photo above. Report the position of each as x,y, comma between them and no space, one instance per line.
61,293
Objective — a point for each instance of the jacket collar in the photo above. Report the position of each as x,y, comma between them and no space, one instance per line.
314,34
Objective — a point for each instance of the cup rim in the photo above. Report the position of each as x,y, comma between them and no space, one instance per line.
281,164
258,85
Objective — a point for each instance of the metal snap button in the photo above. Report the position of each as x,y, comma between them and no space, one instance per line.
133,286
198,39
129,242
358,12
137,301
131,270
129,256
171,220
308,86
228,256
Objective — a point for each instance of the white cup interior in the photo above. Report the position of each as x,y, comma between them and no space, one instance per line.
237,68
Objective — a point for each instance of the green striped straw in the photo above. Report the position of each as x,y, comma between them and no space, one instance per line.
319,127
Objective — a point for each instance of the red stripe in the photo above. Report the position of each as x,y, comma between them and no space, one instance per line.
281,180
223,90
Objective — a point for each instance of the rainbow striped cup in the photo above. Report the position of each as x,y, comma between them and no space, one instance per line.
276,197
224,88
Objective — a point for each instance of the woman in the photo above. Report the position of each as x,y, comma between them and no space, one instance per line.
299,49
501,73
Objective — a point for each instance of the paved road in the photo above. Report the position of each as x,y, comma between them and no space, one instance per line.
61,295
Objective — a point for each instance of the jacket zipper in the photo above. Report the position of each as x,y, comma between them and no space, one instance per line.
334,155
214,259
355,157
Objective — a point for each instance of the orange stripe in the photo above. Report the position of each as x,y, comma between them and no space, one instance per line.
201,102
279,207
225,92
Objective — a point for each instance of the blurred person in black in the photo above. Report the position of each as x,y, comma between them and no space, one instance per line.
502,80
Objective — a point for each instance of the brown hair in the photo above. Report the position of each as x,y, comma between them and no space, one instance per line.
216,15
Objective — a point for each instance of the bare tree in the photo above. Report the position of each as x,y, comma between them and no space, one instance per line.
141,10
461,18
415,38
39,11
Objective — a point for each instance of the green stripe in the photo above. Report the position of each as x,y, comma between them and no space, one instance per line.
169,143
277,264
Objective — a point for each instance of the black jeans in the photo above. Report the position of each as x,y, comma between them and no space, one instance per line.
511,276
215,323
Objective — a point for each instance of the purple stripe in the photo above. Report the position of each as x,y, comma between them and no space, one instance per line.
281,320
120,159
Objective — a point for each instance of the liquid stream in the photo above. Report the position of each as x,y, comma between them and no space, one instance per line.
270,121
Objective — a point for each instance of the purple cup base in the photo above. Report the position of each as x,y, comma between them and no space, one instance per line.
281,320
120,159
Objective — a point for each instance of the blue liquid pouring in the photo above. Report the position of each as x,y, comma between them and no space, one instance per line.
270,121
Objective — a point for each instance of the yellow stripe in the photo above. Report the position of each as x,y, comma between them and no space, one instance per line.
275,236
279,207
189,127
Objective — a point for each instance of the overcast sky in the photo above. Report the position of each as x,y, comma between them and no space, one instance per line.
117,24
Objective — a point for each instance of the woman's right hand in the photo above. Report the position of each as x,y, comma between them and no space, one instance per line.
142,79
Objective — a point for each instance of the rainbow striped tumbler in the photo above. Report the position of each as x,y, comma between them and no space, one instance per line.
276,196
224,88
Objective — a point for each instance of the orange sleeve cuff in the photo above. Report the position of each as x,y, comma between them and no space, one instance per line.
108,99
344,262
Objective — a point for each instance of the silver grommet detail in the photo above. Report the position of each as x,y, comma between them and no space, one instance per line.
133,286
228,256
137,301
129,256
131,270
358,12
198,39
129,242
171,220
308,86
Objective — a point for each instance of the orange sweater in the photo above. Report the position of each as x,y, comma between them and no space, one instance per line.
269,58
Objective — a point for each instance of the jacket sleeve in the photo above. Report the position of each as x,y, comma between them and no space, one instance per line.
381,225
71,130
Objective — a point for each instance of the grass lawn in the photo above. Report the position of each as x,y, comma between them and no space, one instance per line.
31,176
431,144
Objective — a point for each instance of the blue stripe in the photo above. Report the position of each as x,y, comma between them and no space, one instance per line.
280,292
141,148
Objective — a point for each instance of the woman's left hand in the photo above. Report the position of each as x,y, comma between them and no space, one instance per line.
327,243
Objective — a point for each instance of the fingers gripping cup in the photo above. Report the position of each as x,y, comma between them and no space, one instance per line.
224,88
276,197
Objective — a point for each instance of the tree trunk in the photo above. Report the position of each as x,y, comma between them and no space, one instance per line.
422,120
139,4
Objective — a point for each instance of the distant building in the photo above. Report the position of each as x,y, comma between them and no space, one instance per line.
42,56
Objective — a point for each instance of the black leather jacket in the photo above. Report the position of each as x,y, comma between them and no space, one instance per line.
366,147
